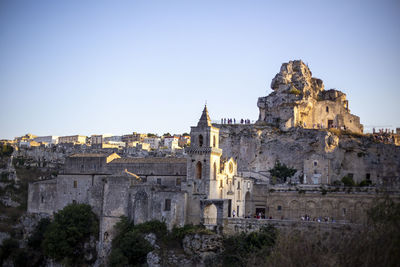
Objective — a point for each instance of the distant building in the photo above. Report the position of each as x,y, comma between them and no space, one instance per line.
28,144
72,139
50,139
134,137
154,142
171,142
113,138
184,141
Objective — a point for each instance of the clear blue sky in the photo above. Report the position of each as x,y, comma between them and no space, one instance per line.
91,67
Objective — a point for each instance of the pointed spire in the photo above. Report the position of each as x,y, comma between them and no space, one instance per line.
205,118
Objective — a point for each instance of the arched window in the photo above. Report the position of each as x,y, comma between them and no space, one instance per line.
215,171
198,170
214,141
327,109
200,140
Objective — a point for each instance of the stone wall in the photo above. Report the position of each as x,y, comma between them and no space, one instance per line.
237,225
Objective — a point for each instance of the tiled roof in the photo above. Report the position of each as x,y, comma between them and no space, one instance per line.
88,155
149,160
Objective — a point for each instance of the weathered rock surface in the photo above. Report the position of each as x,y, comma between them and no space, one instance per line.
257,148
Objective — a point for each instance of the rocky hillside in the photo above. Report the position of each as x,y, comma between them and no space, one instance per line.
257,148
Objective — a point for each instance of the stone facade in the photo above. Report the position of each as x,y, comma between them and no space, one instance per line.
203,188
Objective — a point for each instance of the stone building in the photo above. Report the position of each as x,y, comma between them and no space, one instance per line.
299,100
204,187
72,139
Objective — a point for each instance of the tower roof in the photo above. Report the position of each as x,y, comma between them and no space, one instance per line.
205,118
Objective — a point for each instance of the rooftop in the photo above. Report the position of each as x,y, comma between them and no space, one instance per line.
149,160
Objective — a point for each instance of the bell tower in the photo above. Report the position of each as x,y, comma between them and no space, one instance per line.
203,160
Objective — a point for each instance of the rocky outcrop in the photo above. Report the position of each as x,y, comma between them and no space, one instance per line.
299,100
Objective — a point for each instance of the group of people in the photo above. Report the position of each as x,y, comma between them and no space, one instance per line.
233,121
307,217
384,136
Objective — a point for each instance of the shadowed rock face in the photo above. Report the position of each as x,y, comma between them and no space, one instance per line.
299,100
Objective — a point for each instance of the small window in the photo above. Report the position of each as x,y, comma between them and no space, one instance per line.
178,181
344,211
198,170
248,185
238,185
167,205
200,140
75,184
214,142
158,180
315,163
368,176
73,201
221,185
327,109
279,208
42,199
230,167
351,175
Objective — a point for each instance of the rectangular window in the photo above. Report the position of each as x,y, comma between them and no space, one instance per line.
279,207
178,182
248,185
237,211
368,176
351,175
167,205
238,185
158,180
75,184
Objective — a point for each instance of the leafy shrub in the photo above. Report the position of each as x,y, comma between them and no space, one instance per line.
36,238
337,183
365,183
294,91
281,172
154,226
348,181
129,247
240,248
65,237
9,247
178,233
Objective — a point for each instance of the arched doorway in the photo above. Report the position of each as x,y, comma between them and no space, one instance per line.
210,214
247,208
140,207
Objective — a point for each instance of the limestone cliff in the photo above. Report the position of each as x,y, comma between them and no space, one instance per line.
328,153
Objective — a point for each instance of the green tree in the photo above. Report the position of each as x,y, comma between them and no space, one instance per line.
129,247
65,237
281,172
348,181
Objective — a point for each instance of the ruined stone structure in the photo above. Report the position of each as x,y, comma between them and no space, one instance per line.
299,100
